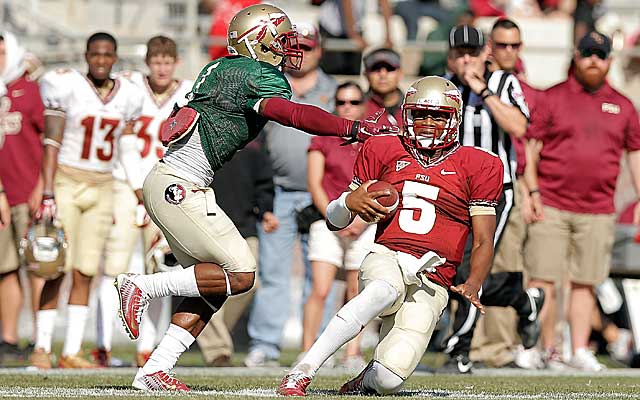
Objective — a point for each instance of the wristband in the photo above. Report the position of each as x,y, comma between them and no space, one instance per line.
1,190
47,195
532,191
486,93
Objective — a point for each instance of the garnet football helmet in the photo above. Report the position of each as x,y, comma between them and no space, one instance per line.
44,248
265,33
435,94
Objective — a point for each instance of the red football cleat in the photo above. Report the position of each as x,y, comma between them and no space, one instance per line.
294,384
133,303
158,381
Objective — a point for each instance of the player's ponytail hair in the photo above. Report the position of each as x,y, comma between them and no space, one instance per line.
161,46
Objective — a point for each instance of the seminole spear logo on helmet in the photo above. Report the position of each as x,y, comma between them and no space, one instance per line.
272,23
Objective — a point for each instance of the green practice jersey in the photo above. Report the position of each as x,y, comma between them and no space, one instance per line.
225,93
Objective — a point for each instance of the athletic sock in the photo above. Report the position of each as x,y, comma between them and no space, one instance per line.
176,341
177,283
45,323
107,309
347,323
76,321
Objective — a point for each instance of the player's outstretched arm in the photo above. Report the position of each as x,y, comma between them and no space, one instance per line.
484,227
316,121
54,123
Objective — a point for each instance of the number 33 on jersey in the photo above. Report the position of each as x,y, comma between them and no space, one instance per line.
92,124
436,202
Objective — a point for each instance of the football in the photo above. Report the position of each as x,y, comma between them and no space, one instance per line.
391,200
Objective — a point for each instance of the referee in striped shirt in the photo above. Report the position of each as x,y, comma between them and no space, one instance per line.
494,110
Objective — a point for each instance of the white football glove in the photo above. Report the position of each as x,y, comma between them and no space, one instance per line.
142,218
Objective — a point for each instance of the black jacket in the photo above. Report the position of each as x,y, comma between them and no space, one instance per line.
244,188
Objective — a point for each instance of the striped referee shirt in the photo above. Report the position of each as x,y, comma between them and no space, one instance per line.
480,129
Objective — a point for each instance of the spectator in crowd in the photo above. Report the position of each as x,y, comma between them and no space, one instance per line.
495,111
330,167
434,62
21,126
343,19
575,236
287,148
244,189
161,90
498,344
88,118
384,73
411,10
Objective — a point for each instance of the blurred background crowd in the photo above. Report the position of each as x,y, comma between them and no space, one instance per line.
359,56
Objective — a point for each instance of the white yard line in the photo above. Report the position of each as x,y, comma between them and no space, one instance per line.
46,392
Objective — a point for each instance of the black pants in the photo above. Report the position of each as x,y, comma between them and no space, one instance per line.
500,289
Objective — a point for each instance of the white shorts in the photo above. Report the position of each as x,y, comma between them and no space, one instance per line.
327,246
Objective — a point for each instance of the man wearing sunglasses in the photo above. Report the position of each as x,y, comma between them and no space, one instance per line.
383,72
584,126
494,111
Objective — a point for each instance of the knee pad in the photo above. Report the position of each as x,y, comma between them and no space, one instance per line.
407,334
382,380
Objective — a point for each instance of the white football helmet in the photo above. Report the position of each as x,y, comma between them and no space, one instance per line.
265,33
44,248
160,258
432,93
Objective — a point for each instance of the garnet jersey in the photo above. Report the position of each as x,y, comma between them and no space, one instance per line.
147,128
436,202
92,124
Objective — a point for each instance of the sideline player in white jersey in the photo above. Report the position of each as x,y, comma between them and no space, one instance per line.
88,118
161,91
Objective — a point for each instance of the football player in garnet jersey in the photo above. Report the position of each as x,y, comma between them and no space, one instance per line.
231,100
446,190
86,117
161,91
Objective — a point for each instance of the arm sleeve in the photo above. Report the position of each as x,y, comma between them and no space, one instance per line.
55,89
541,121
308,118
486,184
514,95
367,166
632,134
136,102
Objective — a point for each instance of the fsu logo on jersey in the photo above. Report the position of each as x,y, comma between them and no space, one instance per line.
175,194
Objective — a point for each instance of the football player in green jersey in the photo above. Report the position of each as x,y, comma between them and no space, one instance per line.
232,99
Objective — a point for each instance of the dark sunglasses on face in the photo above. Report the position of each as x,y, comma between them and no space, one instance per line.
514,46
471,51
352,102
379,67
586,53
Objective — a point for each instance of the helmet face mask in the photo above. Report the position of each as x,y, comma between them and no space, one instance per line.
431,114
265,33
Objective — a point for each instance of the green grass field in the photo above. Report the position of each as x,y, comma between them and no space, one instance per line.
237,383
240,383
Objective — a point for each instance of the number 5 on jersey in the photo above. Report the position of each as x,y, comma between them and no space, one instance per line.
413,199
